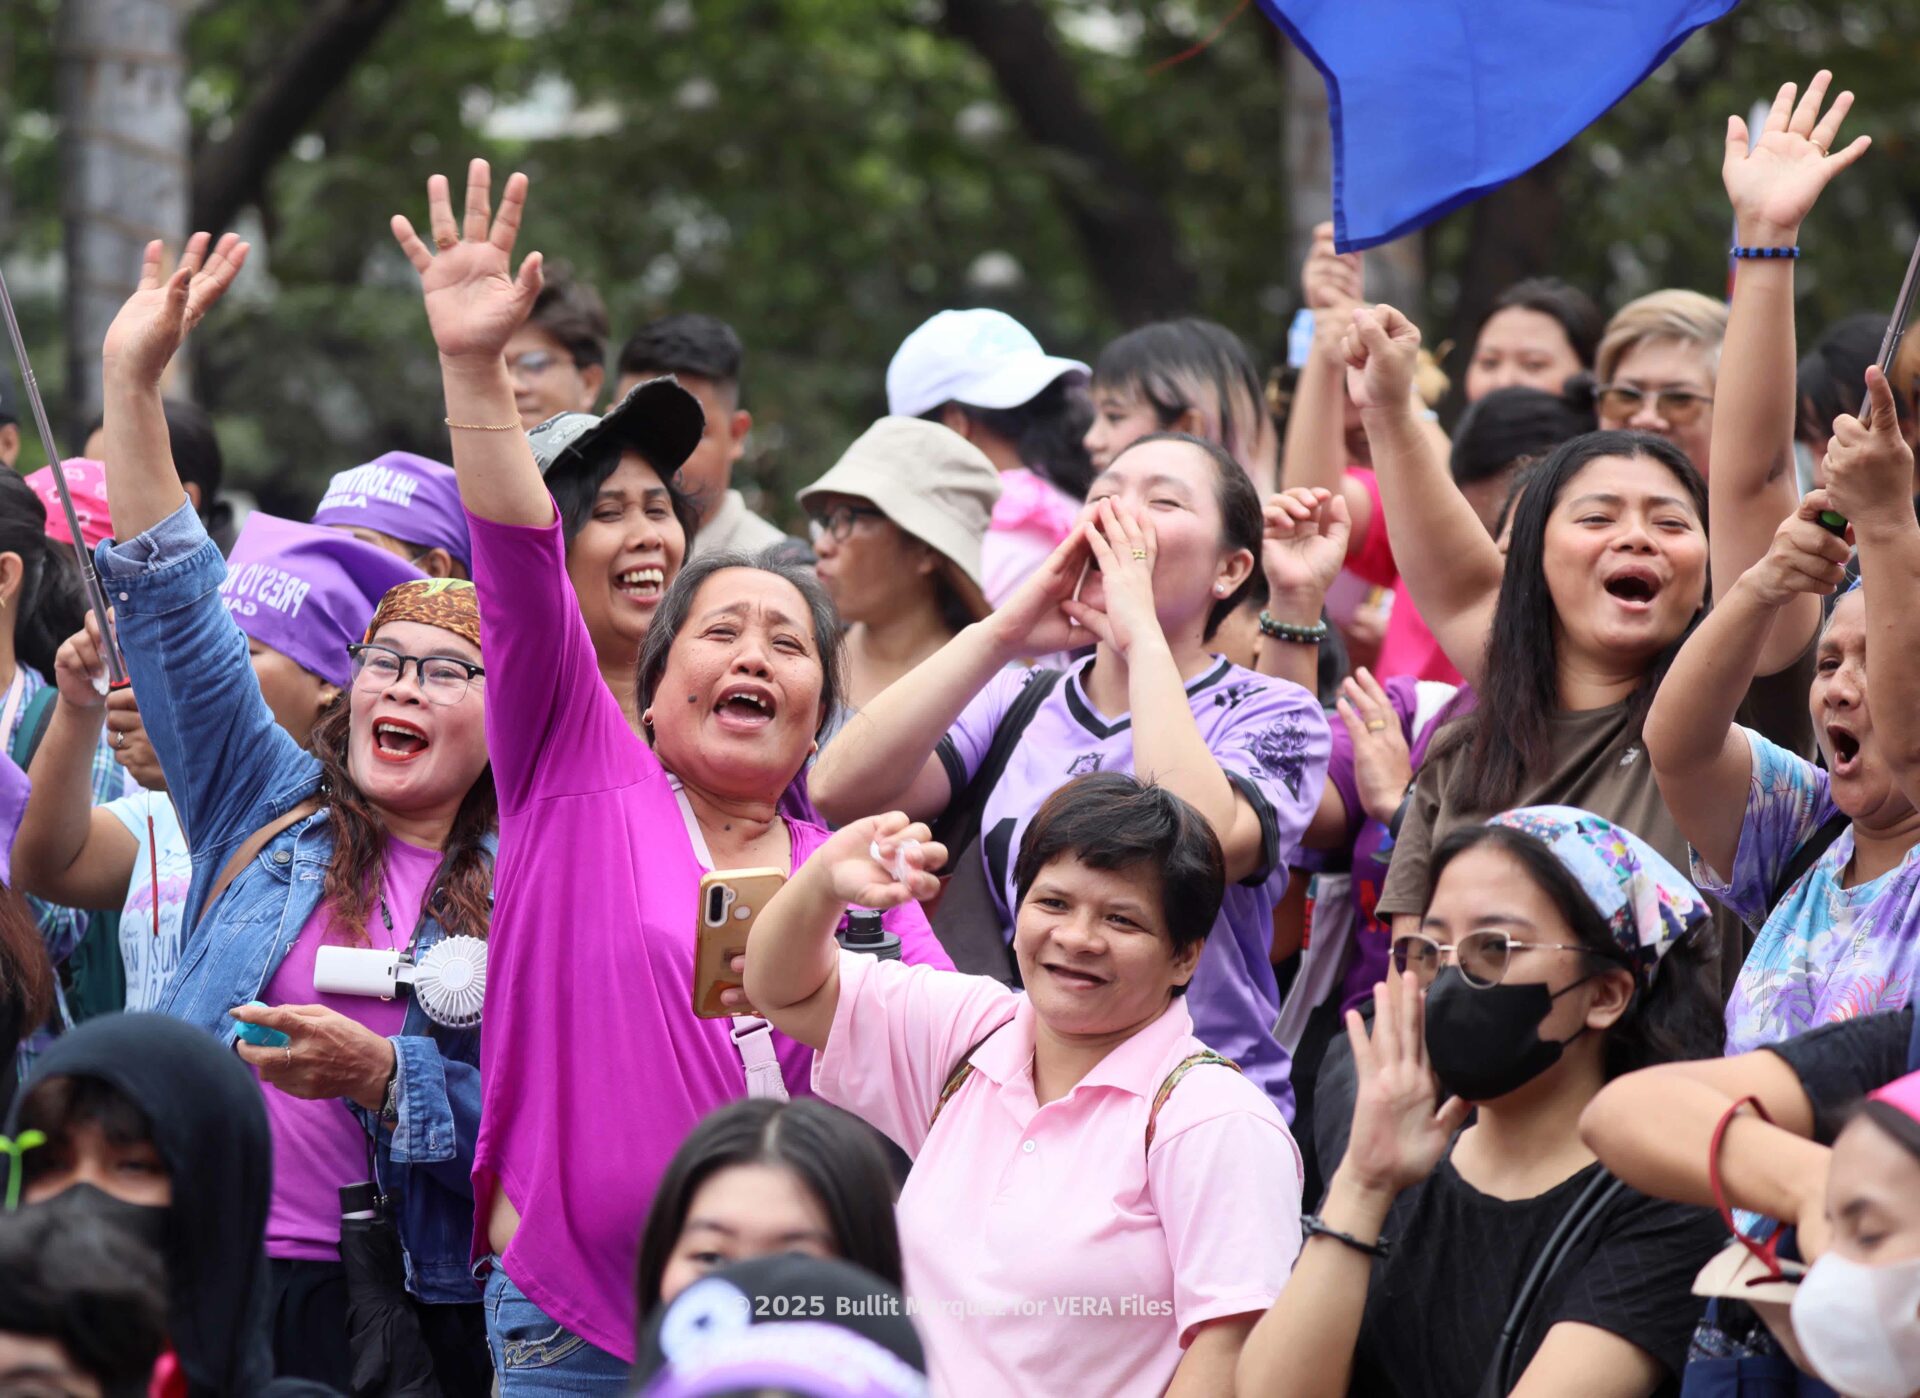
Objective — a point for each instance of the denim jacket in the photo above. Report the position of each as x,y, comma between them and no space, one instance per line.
231,770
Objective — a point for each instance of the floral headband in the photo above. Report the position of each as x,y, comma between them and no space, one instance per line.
1647,904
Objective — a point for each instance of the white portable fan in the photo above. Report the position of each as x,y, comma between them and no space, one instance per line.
450,981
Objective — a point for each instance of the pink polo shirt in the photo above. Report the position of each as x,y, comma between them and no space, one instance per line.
1047,1250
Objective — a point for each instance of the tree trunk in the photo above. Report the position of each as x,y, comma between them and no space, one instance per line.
1130,242
123,153
231,173
1515,234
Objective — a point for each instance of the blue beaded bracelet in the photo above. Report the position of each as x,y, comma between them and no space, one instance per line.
1737,251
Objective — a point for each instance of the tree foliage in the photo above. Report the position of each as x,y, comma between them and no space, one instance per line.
826,173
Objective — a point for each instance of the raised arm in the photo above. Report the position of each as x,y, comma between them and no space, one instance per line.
1168,747
1701,760
69,851
884,758
1870,477
1752,488
1302,550
1451,565
474,303
1314,455
792,962
139,344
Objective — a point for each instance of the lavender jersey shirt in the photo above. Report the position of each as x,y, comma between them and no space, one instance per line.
1268,735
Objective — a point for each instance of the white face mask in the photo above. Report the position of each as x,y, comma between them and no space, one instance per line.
1860,1326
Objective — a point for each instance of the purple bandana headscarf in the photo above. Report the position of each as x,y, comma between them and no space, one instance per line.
308,592
402,495
1648,904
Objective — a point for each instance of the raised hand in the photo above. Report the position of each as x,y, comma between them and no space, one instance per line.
80,670
1869,470
1381,764
1033,621
1383,350
1805,557
1774,185
1398,1134
1331,281
474,300
1303,546
157,318
1124,549
904,846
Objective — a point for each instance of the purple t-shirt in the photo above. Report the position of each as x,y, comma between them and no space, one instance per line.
593,1066
318,1144
1268,735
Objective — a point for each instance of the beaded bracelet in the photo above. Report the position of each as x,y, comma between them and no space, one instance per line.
1286,631
1312,1227
1738,251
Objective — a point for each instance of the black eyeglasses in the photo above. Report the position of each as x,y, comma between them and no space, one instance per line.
839,521
443,678
1677,407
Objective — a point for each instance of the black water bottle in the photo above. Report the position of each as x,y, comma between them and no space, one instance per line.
863,931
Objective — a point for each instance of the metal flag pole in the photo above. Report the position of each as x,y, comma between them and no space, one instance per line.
1897,325
1832,520
96,595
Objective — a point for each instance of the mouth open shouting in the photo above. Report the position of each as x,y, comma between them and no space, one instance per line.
398,740
1634,587
745,707
642,586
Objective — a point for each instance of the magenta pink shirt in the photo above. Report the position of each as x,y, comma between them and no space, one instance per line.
593,1065
319,1145
1047,1249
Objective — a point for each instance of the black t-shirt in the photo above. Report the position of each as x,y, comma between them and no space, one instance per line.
1840,1063
1436,1303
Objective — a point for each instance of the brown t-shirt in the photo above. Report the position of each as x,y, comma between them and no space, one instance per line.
1598,763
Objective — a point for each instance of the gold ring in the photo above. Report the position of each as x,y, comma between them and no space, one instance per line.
444,243
289,1055
1377,725
1140,554
119,741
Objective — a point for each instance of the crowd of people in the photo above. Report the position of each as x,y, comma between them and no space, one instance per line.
1184,881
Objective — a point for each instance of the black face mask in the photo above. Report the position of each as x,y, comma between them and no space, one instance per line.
1485,1042
145,1222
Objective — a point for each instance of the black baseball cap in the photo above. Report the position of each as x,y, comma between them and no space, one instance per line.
658,418
812,1325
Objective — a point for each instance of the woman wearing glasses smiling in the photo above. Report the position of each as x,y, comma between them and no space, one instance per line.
381,836
1542,969
896,528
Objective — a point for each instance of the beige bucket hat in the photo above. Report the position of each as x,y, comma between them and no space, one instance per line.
928,480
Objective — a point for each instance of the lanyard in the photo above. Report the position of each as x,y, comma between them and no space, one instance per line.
14,693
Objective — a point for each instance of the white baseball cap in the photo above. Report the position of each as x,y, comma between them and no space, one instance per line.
983,358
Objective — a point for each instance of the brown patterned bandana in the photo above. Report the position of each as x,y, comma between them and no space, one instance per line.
448,603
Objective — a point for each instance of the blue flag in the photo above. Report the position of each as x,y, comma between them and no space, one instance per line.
1436,102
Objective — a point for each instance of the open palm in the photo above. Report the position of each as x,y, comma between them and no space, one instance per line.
156,319
1774,185
474,301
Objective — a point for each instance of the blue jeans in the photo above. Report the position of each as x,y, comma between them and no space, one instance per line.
533,1355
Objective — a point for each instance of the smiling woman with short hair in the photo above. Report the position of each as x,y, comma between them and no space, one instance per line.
1098,1202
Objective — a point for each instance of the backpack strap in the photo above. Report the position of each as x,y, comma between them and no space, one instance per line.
961,1072
34,723
1807,855
1172,1080
251,846
959,825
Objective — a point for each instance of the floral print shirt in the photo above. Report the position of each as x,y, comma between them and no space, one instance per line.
1824,952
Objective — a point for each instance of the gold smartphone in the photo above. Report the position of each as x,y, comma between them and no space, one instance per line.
730,900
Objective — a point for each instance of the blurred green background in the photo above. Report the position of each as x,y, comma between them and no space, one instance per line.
826,173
